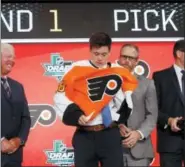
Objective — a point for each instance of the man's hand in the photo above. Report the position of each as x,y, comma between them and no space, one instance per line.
16,142
6,146
131,139
124,130
83,120
173,123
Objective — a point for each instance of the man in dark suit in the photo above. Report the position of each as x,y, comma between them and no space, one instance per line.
171,101
15,122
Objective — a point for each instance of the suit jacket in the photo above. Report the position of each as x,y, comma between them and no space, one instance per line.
171,104
144,117
15,116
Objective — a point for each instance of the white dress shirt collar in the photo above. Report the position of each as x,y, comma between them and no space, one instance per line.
179,74
177,69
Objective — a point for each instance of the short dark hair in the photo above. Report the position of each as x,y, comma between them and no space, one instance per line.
178,46
100,39
130,45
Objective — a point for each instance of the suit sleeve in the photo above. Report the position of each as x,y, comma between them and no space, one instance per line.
162,117
67,111
151,113
25,119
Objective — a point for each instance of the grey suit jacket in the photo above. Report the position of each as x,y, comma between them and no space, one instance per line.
144,116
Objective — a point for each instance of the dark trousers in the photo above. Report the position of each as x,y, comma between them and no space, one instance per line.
92,148
173,159
8,161
11,164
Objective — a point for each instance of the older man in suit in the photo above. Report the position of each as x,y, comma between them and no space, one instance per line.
15,122
136,132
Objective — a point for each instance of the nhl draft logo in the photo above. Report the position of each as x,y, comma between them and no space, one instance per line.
57,67
60,154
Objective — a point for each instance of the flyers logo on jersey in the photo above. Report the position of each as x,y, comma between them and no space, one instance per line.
99,86
92,89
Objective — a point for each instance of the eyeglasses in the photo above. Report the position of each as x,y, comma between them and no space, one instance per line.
126,57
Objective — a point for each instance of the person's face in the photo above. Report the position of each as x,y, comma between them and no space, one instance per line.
7,61
128,58
180,57
99,56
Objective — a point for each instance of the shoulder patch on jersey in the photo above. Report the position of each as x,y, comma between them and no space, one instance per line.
61,87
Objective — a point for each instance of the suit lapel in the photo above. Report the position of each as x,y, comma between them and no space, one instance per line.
176,84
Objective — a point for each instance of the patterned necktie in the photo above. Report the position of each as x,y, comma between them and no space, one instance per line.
6,87
106,116
183,82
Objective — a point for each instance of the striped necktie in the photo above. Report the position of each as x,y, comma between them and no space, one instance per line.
6,87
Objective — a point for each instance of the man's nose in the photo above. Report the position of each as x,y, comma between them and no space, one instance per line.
99,57
127,60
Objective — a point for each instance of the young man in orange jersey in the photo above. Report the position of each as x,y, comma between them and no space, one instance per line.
95,140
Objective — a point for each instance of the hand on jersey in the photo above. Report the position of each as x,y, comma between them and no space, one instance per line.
83,120
173,123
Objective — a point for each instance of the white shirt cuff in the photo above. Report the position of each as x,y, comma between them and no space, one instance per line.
142,136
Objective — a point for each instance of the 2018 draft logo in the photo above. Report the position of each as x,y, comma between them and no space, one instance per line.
60,154
57,67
